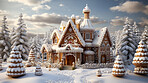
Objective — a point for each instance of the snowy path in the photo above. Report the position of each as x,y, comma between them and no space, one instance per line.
70,76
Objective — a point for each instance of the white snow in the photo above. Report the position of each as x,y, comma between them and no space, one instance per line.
89,52
71,76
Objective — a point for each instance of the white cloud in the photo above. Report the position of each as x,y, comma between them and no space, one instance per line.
47,7
30,2
144,22
118,21
131,7
96,20
36,8
39,7
3,12
61,5
47,18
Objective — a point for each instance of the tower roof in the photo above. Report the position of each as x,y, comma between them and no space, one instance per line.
86,9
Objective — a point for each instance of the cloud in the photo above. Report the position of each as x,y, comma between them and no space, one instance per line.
119,21
39,7
36,8
61,5
144,22
96,20
47,18
30,2
131,7
3,12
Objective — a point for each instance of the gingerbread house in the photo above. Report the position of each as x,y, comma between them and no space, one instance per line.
76,40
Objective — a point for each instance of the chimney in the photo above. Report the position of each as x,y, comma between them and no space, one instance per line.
78,22
73,18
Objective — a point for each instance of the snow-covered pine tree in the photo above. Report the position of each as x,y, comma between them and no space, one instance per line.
145,35
1,60
136,33
128,45
36,45
12,33
141,58
5,46
118,67
20,38
15,66
31,56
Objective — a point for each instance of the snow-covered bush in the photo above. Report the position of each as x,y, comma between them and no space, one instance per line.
38,71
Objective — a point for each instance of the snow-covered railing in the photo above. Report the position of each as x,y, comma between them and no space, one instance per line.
94,65
51,65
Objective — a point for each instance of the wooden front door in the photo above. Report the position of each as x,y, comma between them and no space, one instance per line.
103,59
70,59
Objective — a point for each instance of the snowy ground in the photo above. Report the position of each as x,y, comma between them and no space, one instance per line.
70,76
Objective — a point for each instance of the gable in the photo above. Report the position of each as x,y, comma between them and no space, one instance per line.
70,37
106,39
72,34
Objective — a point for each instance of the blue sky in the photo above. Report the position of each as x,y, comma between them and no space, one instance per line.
41,15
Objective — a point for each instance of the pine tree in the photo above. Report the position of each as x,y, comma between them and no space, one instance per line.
1,63
141,59
128,45
36,45
15,66
4,40
118,68
145,35
20,38
31,56
136,33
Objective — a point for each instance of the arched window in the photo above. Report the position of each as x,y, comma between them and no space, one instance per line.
45,55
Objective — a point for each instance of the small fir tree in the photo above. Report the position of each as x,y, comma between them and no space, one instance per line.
15,66
118,67
141,59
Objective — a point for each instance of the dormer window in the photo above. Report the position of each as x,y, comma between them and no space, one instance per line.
87,36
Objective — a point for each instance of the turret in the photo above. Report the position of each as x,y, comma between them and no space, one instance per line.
86,12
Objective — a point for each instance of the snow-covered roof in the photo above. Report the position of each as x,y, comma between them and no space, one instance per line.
89,52
86,24
99,36
86,9
73,16
57,32
78,21
71,49
76,32
47,47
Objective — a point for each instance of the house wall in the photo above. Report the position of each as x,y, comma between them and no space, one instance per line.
104,49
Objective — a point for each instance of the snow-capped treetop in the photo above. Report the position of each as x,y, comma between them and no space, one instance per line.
127,21
73,16
141,42
86,9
